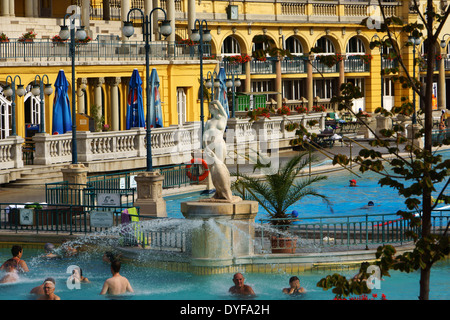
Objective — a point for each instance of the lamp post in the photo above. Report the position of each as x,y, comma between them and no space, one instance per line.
10,91
201,35
415,42
128,31
233,84
212,82
80,34
39,90
382,46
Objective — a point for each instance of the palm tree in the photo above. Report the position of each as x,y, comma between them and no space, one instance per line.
278,191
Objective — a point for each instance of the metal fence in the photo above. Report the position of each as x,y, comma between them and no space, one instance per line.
97,50
55,218
338,232
61,193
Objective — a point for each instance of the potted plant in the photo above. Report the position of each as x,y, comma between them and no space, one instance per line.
84,41
57,39
319,109
241,58
284,110
27,37
277,192
3,37
257,113
301,109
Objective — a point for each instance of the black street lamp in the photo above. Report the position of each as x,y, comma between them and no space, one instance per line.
382,46
10,91
415,42
39,90
200,35
128,31
212,82
233,84
80,34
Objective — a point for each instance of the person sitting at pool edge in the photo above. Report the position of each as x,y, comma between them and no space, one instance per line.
239,287
352,183
117,284
294,286
17,253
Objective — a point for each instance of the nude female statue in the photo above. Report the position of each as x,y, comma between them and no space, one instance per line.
216,150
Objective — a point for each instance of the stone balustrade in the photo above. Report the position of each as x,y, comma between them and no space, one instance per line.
170,145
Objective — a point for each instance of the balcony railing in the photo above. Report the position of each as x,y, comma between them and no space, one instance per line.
293,66
97,50
262,67
356,65
320,67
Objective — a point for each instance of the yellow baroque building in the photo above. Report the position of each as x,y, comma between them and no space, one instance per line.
104,66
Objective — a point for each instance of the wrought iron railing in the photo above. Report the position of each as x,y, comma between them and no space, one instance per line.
97,50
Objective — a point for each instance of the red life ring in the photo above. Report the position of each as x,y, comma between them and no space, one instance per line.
204,165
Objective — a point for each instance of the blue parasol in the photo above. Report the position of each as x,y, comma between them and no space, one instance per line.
135,105
221,92
156,116
62,120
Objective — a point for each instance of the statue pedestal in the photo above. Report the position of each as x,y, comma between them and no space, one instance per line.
76,176
149,195
227,231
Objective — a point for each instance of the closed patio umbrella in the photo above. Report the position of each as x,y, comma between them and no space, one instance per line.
62,120
156,116
221,92
135,104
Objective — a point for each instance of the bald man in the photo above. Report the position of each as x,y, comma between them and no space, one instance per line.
239,287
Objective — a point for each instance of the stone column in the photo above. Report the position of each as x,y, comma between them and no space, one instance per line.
98,93
125,7
278,83
76,176
35,8
85,12
12,10
309,83
248,77
171,17
81,92
442,103
191,15
149,194
114,83
29,8
148,7
5,8
341,75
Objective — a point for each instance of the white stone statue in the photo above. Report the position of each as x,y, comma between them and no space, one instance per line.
215,153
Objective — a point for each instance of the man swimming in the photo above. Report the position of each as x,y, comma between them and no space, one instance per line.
239,287
117,284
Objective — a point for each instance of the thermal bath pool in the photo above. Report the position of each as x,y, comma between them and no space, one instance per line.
157,284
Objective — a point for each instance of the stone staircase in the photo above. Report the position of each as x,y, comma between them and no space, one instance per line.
36,176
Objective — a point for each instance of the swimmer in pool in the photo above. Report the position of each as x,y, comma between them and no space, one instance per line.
239,287
49,292
294,286
369,205
117,284
39,290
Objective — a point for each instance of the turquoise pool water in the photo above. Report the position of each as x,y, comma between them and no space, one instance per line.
345,200
157,284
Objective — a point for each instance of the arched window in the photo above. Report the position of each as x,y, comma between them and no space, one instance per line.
326,45
230,46
355,45
294,46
